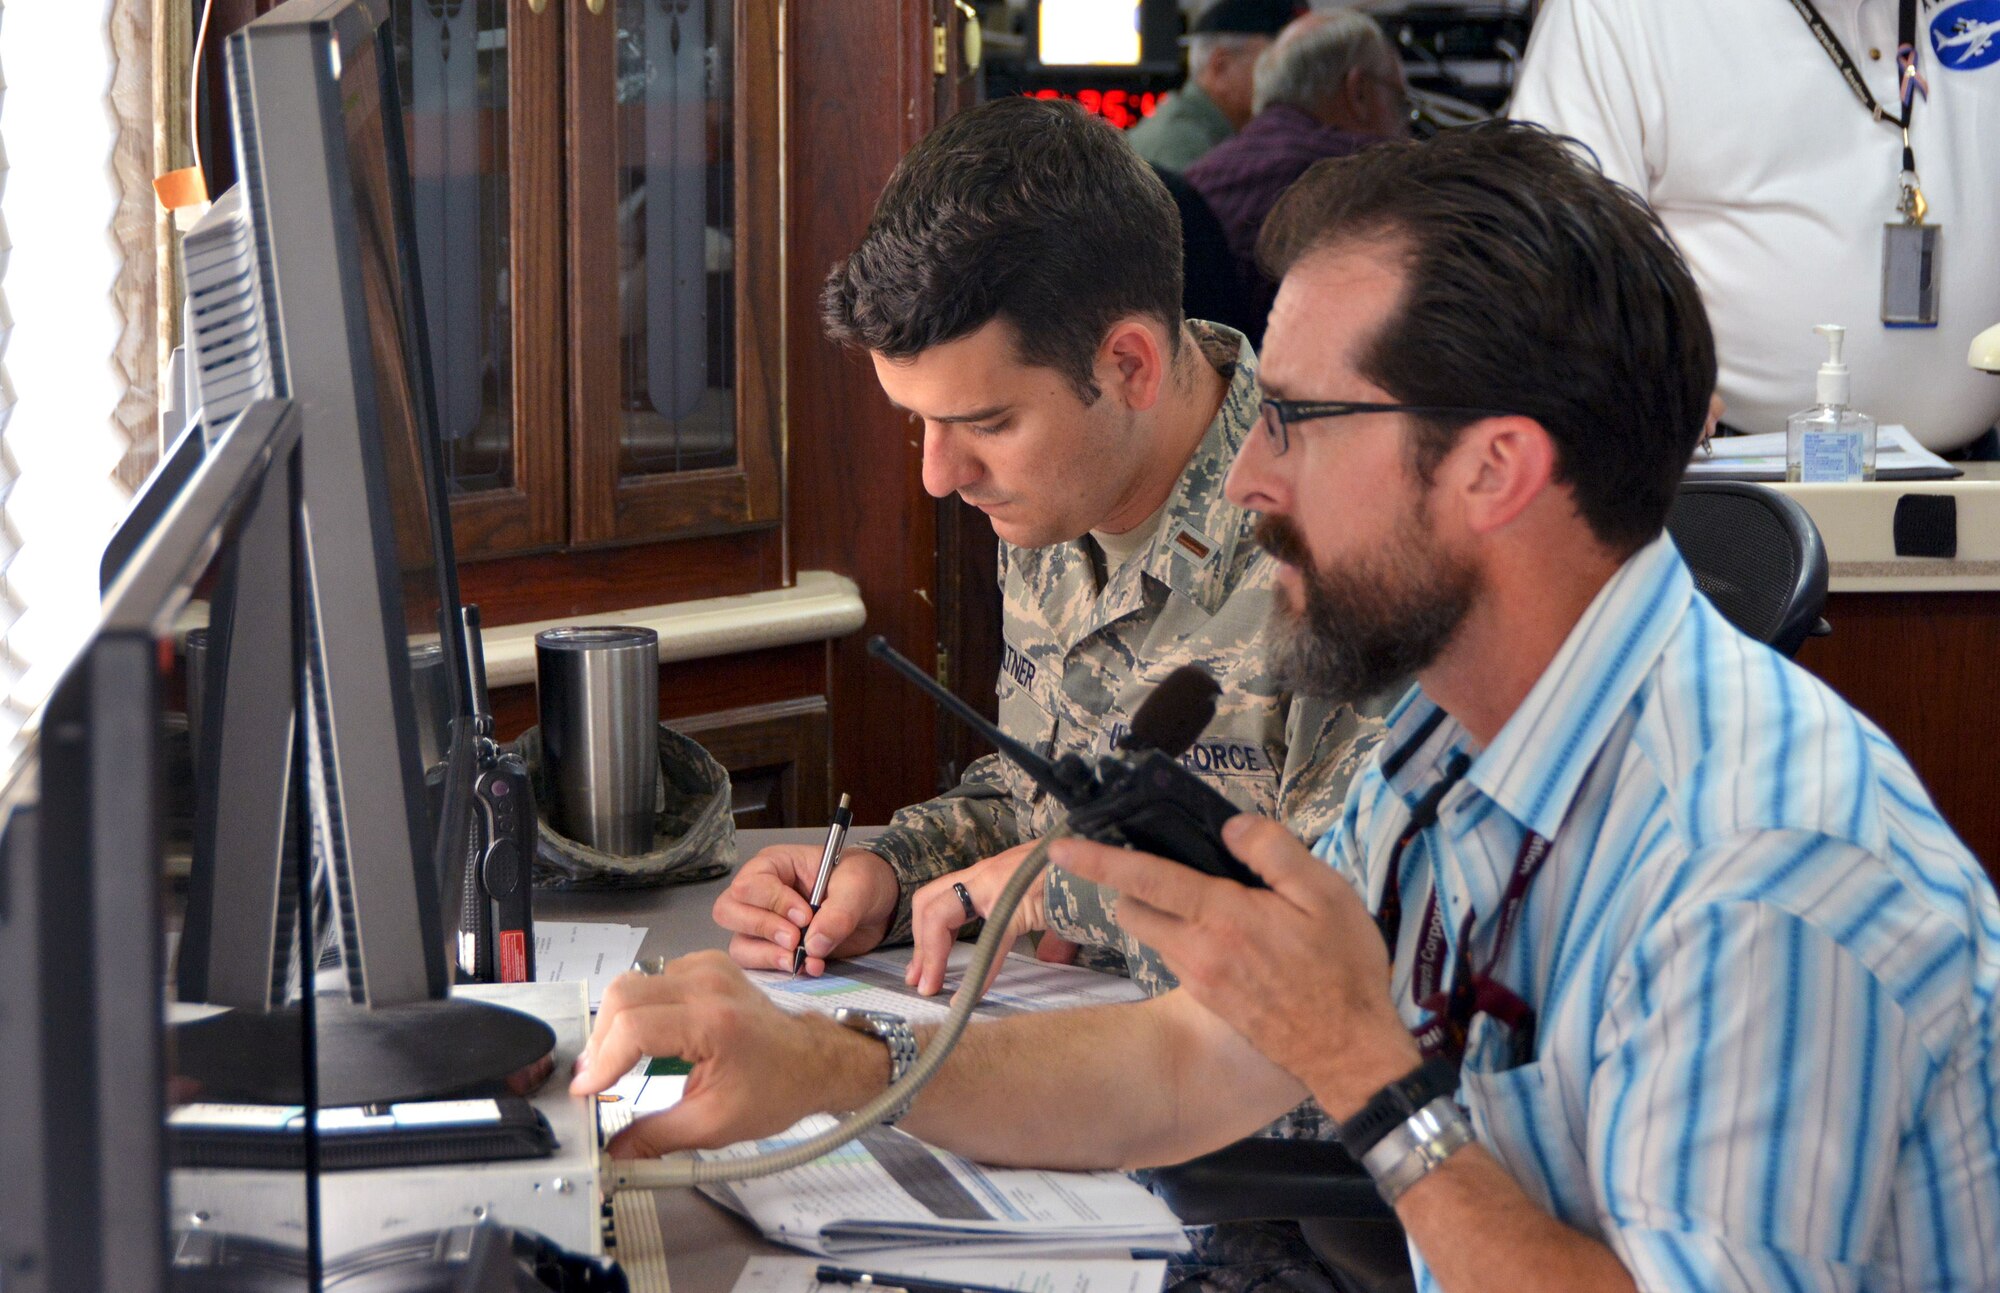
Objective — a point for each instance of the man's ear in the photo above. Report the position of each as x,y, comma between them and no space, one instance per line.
1499,468
1132,364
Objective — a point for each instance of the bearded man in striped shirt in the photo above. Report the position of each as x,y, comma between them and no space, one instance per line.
1642,961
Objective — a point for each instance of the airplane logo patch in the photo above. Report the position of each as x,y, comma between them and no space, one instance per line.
1967,35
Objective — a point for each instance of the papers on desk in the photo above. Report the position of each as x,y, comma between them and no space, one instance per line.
875,982
1898,456
889,1190
567,951
1030,1275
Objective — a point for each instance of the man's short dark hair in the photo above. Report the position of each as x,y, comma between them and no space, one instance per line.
1535,285
1027,210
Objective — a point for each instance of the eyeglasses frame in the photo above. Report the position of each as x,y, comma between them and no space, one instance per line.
1278,415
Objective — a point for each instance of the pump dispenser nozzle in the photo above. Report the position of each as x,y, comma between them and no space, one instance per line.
1833,386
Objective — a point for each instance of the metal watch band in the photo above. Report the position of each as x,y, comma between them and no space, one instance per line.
892,1031
1411,1151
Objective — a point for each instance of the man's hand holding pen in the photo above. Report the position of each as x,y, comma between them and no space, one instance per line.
767,907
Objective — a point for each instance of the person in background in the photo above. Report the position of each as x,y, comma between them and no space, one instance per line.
1214,101
1330,85
1734,121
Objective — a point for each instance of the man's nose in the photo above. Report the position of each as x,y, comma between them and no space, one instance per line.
1256,480
947,467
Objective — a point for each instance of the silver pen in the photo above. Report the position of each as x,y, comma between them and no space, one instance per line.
836,836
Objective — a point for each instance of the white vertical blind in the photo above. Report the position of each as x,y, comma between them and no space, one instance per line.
58,331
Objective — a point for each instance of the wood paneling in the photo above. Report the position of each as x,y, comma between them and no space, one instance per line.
516,590
859,99
1924,666
778,760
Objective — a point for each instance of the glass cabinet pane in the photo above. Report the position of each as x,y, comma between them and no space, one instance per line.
452,59
676,235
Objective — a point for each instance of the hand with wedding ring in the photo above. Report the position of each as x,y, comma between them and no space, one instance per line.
940,909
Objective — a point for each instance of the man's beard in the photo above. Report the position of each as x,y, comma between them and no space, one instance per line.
1371,624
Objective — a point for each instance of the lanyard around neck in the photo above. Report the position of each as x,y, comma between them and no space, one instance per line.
1471,992
1909,84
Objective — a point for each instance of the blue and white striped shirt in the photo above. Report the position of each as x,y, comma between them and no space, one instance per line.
1764,969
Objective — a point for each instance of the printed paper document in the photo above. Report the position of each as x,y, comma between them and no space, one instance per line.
890,1190
875,982
1029,1275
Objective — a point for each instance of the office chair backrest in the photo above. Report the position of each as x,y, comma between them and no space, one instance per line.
1757,556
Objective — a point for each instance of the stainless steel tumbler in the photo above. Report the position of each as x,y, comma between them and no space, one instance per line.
598,690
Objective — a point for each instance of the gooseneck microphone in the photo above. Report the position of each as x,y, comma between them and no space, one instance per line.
1173,717
1148,800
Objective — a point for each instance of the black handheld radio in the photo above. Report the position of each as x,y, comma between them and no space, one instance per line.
1148,799
496,930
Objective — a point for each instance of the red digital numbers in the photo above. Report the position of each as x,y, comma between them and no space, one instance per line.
1122,108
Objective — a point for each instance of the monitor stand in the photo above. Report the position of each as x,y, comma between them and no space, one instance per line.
420,1050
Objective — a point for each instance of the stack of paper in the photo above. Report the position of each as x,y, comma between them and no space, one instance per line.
566,951
1898,456
875,982
887,1190
1028,1275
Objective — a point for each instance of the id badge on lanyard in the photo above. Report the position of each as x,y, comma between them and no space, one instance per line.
1910,244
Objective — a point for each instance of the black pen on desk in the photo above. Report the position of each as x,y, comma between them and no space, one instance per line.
836,836
908,1283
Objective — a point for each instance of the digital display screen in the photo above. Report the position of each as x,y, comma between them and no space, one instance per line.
1088,33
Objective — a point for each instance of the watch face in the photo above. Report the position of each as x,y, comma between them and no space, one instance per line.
865,1020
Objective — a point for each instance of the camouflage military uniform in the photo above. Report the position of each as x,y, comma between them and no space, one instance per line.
1077,660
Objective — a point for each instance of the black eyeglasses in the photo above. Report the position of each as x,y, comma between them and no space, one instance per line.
1277,416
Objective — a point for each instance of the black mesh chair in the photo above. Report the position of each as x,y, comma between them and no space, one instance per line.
1757,556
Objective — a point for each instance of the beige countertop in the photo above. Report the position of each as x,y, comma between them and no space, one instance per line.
1856,522
819,605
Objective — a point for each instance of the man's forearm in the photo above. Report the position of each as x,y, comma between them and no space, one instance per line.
1060,1089
1478,1231
1153,1082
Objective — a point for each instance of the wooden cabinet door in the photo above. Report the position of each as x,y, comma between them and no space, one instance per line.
481,85
675,317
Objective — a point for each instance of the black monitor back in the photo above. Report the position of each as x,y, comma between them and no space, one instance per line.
84,1067
320,148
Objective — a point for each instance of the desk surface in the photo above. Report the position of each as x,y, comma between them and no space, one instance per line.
706,1246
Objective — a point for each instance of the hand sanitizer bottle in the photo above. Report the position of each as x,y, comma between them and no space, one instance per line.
1830,443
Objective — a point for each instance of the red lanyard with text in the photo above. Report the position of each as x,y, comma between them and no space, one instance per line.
1909,83
1471,993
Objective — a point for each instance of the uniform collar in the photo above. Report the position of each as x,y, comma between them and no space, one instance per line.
1538,760
1194,549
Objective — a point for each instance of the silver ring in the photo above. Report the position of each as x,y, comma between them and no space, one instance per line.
650,965
965,901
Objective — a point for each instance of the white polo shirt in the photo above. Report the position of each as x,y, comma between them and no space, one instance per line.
1735,124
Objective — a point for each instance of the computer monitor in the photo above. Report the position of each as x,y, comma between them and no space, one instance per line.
319,143
87,1076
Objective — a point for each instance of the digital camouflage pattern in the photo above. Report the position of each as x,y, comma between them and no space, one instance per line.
1077,661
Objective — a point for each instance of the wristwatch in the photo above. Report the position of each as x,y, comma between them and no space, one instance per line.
1408,1128
892,1031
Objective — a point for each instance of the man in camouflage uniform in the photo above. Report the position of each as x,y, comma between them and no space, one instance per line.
1019,293
1082,651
